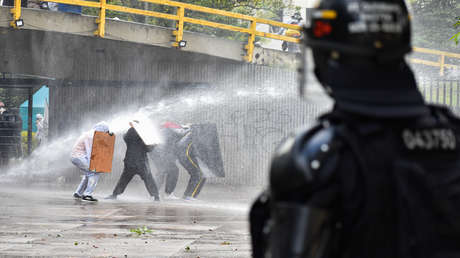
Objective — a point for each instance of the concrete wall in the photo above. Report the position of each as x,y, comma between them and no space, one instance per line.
72,57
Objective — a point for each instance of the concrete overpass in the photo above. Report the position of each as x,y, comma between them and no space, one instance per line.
129,51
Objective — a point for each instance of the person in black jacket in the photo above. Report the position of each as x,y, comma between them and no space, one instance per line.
379,175
136,163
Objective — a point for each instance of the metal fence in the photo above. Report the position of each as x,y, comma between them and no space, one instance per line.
439,91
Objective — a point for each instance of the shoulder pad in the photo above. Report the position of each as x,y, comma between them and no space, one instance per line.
306,159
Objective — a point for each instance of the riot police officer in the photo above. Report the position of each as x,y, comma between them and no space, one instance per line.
379,175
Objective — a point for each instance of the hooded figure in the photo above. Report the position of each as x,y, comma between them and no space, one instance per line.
177,146
81,156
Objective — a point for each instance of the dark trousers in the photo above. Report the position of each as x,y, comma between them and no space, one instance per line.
171,178
196,182
165,162
143,170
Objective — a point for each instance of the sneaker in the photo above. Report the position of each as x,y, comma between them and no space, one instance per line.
76,196
190,198
171,197
111,197
89,198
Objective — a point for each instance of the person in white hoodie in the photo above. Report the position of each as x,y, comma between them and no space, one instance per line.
81,156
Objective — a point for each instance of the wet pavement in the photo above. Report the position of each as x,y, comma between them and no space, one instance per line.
44,223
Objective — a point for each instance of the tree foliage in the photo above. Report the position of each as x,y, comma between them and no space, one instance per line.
456,36
432,23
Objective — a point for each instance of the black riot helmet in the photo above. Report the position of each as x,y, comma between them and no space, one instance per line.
358,49
375,29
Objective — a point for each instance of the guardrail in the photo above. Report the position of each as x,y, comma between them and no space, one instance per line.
180,19
440,91
441,60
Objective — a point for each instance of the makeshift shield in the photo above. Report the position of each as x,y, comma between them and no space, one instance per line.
206,143
102,152
148,132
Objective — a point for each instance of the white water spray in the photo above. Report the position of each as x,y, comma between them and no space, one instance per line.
53,159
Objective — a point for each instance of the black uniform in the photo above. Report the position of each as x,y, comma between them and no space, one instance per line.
379,176
136,164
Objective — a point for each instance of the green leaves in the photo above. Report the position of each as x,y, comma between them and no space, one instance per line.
457,23
141,231
456,36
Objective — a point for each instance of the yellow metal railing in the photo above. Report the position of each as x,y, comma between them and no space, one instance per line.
441,59
16,12
180,19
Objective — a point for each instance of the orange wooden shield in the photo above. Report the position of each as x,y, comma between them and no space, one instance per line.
102,152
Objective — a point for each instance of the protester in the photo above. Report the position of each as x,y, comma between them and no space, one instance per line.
81,156
135,163
164,156
178,146
187,156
